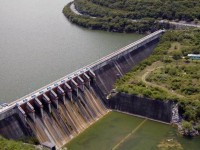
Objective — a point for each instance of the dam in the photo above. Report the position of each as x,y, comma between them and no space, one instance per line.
61,110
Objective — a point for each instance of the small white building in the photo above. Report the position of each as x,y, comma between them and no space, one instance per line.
194,56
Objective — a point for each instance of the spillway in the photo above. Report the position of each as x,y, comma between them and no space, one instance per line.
62,120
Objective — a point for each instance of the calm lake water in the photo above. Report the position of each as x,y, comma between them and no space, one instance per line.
38,45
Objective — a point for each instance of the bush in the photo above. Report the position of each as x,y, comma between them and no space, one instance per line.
176,55
186,125
198,127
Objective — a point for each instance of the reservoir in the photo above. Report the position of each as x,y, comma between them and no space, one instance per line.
39,45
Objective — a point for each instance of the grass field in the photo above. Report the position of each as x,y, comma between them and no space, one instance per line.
117,131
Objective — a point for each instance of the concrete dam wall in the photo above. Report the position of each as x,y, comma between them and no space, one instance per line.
142,106
11,126
107,74
61,110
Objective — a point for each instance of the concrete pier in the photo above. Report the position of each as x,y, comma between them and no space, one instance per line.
80,82
86,79
67,88
30,111
54,98
40,106
74,86
92,75
22,114
61,94
47,102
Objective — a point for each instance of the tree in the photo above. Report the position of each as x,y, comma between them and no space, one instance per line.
187,59
176,55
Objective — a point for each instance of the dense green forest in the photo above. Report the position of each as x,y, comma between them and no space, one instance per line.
114,23
132,15
187,10
168,74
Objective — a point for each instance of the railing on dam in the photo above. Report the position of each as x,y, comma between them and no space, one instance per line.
85,72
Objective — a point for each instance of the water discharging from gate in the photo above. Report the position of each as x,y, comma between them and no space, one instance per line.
62,124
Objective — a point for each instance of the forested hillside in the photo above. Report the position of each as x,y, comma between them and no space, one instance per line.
131,15
115,23
187,10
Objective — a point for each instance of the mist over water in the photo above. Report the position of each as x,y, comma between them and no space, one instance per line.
38,45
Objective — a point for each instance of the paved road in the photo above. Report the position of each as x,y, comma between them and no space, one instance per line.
180,23
72,7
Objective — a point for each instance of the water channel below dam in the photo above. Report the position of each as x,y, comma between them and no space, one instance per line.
39,45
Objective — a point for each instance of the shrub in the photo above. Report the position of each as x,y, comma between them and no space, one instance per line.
187,126
176,55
